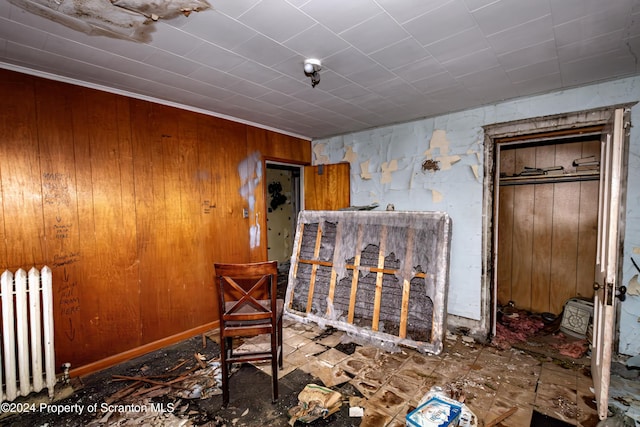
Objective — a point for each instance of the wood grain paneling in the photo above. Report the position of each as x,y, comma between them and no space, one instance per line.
326,187
546,231
130,203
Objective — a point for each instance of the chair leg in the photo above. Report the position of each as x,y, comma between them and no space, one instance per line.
274,365
225,371
280,356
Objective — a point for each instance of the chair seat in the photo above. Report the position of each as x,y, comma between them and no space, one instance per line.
247,309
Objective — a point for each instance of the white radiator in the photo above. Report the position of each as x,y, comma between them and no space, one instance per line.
27,358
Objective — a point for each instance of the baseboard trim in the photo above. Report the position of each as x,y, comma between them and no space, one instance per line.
142,350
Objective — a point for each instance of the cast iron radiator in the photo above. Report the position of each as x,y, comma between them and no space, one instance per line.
378,275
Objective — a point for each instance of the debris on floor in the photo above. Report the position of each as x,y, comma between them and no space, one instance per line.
380,387
199,382
315,401
515,326
574,349
436,410
538,333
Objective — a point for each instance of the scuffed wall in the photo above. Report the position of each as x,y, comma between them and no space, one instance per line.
387,168
250,171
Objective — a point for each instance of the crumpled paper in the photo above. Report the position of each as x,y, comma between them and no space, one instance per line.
315,401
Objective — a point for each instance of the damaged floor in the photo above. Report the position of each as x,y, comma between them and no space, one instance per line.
171,387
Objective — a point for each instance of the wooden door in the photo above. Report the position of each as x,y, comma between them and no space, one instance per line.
611,203
327,187
546,232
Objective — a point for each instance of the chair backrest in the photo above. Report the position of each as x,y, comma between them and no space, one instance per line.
247,293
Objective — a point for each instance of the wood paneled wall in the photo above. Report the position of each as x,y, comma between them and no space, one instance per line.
130,203
546,232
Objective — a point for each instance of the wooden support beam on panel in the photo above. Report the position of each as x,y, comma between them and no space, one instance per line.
406,285
379,276
356,273
296,258
334,275
314,269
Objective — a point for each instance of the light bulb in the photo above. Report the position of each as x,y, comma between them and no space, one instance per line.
308,68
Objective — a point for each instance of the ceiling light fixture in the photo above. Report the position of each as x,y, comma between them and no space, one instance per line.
311,69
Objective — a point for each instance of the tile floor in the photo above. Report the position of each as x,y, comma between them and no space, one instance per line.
491,380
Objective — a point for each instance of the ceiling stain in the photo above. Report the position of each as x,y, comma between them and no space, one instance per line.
125,19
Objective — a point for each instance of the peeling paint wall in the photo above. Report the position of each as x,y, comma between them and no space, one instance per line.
387,168
250,171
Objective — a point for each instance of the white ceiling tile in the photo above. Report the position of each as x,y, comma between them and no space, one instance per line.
316,42
249,89
538,85
291,103
491,19
433,83
49,62
474,5
269,17
374,34
531,72
235,8
174,39
477,61
585,48
420,69
371,76
209,90
591,26
395,89
403,11
171,62
522,57
22,34
5,9
349,61
255,72
120,47
211,76
489,85
288,85
400,54
458,45
218,29
570,10
615,63
349,91
215,57
264,50
68,49
339,15
528,34
440,23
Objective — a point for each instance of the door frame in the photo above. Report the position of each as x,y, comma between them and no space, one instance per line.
297,191
568,122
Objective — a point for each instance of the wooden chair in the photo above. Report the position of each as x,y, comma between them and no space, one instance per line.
248,307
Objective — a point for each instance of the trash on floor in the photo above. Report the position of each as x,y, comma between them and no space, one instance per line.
200,382
515,326
356,407
315,401
436,409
